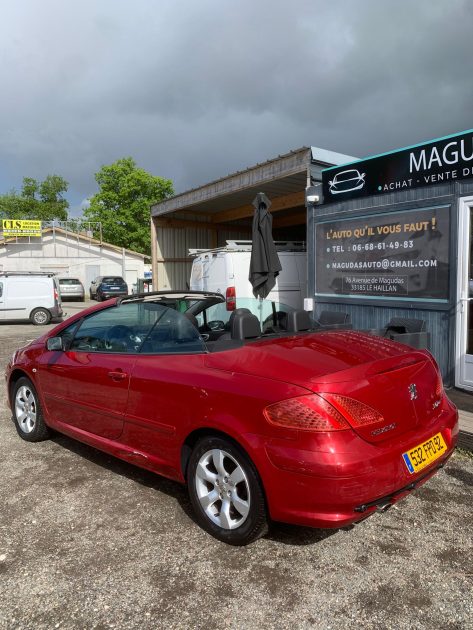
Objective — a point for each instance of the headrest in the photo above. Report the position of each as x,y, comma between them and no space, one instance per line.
236,313
184,330
328,318
245,326
406,325
298,321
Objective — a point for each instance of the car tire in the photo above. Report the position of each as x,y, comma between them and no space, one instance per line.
90,295
40,317
27,412
226,492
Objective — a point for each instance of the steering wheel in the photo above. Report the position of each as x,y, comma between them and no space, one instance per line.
216,324
118,334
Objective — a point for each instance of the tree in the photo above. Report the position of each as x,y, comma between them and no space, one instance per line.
37,200
123,203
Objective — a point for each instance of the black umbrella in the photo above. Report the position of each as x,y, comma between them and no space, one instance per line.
264,262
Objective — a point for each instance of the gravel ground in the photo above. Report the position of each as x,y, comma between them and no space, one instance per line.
87,541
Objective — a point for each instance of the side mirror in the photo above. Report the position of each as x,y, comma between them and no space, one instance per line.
55,343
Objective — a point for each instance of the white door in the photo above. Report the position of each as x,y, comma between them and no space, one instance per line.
464,328
91,272
131,278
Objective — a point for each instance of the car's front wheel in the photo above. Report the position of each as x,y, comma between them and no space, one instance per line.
27,412
40,317
226,492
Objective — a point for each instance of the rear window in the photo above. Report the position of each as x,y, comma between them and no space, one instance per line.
113,280
69,281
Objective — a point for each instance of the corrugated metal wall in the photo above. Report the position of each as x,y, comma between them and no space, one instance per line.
440,320
174,263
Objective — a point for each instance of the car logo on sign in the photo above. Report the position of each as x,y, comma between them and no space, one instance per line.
347,181
413,391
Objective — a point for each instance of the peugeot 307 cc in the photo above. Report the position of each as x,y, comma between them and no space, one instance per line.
261,413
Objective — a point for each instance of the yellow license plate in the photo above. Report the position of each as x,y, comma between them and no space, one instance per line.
424,454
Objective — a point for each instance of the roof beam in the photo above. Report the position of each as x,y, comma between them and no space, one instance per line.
200,225
285,202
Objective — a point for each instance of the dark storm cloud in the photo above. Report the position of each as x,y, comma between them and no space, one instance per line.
195,90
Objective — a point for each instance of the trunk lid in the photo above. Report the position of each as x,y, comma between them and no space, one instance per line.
396,381
405,392
309,358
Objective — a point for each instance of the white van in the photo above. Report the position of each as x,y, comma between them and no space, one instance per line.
225,270
29,296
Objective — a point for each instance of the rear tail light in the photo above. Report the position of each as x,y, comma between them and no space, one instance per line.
322,412
230,298
56,295
357,413
306,413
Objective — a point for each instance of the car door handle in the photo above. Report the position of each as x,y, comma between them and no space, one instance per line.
117,376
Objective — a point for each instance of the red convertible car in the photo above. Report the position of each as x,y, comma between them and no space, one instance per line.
264,417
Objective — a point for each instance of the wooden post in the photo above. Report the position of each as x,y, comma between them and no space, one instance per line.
154,254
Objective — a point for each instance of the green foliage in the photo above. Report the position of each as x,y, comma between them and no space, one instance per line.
37,200
123,203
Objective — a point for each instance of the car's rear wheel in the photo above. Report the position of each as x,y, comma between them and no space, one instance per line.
40,317
27,412
226,492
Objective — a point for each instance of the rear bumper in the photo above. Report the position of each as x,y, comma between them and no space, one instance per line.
73,296
56,311
343,482
106,295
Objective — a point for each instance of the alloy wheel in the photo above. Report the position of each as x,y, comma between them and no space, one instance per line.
25,409
40,317
222,489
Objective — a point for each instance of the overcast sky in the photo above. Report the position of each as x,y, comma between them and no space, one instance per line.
194,90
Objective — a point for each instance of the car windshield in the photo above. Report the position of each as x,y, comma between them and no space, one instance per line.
69,281
113,280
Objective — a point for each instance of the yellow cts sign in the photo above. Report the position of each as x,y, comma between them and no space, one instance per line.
18,227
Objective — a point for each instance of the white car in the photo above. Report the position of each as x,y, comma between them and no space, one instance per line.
32,296
71,289
225,270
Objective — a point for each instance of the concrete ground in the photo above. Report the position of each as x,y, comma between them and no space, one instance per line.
87,541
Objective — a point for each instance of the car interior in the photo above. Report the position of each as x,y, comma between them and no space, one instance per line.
167,323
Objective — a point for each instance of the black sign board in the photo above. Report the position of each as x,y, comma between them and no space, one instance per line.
392,255
443,160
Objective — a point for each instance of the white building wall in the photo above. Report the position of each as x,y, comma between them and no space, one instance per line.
67,255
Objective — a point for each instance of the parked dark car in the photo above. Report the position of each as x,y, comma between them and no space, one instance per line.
314,428
105,287
71,289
